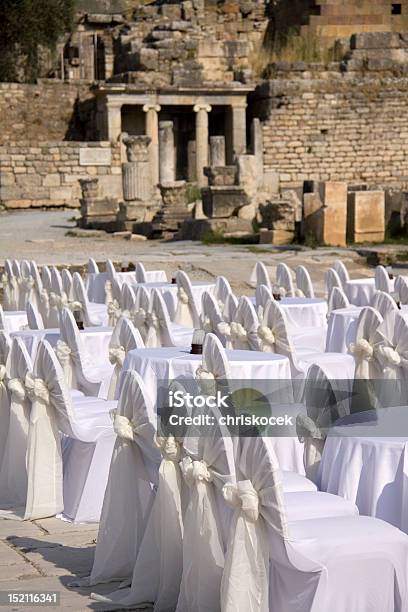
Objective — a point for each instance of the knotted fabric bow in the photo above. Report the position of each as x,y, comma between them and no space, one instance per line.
182,295
117,355
195,472
266,335
362,350
63,352
17,390
169,447
39,395
243,496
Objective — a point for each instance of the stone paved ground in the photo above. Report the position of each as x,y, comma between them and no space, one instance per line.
42,235
46,554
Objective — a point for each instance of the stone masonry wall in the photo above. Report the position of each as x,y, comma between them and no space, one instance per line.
48,111
335,127
46,174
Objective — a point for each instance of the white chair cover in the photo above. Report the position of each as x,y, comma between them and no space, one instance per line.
273,333
33,317
140,273
214,367
187,311
230,308
110,270
207,467
332,281
284,279
5,346
81,302
142,304
391,350
66,277
262,297
342,272
127,301
16,267
262,276
401,289
9,301
92,266
222,291
125,338
129,493
26,285
114,309
363,349
211,317
384,303
158,320
304,282
326,401
2,318
382,280
38,285
78,372
242,332
13,472
337,300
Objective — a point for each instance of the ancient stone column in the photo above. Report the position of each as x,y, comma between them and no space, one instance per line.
152,130
114,121
201,111
191,161
217,151
257,147
137,182
238,130
167,167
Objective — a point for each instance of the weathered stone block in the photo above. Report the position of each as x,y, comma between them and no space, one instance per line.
221,202
222,176
366,216
248,174
333,195
279,236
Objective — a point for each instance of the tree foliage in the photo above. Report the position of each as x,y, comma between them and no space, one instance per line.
27,28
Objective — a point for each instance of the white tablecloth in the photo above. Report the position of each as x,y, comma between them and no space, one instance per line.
360,290
162,365
95,340
368,464
342,328
15,320
304,312
95,282
169,293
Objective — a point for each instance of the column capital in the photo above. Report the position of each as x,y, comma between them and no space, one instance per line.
148,107
202,106
239,105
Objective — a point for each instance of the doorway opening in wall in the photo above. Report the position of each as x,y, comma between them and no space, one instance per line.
183,118
219,124
396,9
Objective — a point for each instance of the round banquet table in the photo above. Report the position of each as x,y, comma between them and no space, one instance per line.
95,282
169,293
304,312
15,320
165,364
367,463
342,329
94,339
360,290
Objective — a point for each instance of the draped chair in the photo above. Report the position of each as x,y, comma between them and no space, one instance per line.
262,297
160,552
57,298
304,282
187,311
262,276
129,493
5,346
114,309
337,300
67,287
140,272
26,285
92,266
391,351
332,280
142,304
33,317
125,338
211,318
382,280
241,333
401,289
110,276
16,267
384,303
79,372
13,469
222,291
368,372
10,300
127,301
316,564
275,337
66,474
284,280
161,332
38,286
326,400
2,319
93,314
342,272
230,308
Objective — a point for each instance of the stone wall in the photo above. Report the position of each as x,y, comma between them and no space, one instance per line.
47,174
334,126
48,111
